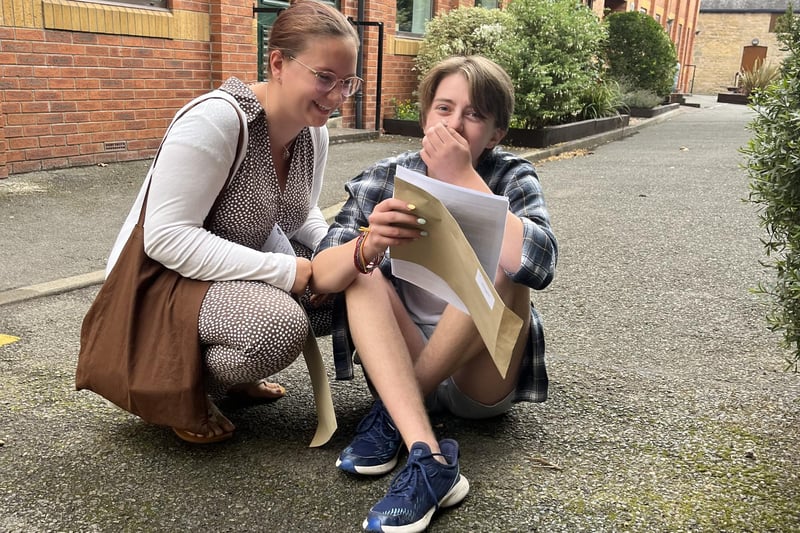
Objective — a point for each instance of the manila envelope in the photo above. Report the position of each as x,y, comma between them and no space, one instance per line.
447,253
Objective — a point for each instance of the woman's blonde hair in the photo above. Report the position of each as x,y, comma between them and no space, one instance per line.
490,87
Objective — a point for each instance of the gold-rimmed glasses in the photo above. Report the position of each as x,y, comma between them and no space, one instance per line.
326,81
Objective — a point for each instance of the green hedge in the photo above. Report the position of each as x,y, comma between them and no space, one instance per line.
640,53
550,48
773,165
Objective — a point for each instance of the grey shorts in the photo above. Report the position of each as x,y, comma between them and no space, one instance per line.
450,399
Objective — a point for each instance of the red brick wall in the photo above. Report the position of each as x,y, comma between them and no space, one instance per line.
66,93
400,81
3,143
233,42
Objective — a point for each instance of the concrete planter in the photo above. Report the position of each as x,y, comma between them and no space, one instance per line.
733,98
550,135
536,138
409,128
650,112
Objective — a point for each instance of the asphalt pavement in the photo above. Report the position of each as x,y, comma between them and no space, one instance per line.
670,406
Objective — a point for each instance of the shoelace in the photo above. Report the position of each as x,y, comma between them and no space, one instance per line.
405,481
375,416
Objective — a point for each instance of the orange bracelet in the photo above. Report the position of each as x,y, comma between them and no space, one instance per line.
361,263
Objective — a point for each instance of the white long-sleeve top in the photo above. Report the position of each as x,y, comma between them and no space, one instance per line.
186,178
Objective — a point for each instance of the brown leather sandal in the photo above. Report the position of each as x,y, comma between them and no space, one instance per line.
197,438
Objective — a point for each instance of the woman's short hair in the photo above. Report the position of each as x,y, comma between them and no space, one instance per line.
490,87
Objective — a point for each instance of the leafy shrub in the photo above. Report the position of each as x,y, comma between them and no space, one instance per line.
640,51
773,167
463,31
641,98
550,48
601,99
760,77
551,54
406,110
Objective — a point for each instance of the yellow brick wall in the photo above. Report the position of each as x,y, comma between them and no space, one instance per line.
719,45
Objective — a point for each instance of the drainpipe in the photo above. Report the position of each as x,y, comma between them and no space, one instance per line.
359,67
359,97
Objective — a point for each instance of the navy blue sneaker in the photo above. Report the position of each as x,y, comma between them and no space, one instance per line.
418,490
374,450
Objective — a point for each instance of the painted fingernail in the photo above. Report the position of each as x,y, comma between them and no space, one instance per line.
423,233
421,221
411,207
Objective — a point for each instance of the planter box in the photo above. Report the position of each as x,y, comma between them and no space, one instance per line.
538,138
733,98
409,128
675,98
646,112
550,135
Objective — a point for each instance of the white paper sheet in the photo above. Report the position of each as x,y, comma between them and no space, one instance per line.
446,264
482,219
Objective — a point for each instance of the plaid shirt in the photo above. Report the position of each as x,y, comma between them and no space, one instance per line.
505,174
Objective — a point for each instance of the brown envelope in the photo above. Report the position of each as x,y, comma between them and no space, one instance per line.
447,253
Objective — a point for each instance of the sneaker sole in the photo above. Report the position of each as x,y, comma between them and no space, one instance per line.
454,496
457,493
376,470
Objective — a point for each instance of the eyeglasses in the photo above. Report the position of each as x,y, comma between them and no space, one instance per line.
326,81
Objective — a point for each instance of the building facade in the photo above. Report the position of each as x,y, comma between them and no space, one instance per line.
732,36
85,83
679,20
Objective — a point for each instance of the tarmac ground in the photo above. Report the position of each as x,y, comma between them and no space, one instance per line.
670,405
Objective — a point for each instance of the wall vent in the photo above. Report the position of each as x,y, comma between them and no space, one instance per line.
115,146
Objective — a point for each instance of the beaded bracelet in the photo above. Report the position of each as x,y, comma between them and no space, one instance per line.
359,260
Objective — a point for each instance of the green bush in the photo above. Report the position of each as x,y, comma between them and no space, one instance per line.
632,96
602,98
639,50
405,109
550,48
641,98
551,54
463,31
773,166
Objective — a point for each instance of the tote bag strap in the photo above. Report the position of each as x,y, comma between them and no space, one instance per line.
241,147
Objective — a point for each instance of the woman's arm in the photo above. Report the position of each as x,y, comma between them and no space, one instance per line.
369,205
188,176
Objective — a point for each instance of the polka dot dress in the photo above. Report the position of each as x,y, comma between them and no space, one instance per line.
250,330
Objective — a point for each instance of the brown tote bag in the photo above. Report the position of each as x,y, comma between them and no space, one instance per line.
140,347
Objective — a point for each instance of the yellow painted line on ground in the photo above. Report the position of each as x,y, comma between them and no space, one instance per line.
7,339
